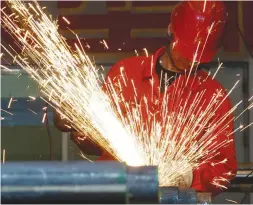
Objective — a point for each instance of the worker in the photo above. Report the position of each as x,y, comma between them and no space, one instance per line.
194,25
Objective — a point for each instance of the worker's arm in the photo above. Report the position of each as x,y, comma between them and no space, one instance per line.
61,124
84,144
215,170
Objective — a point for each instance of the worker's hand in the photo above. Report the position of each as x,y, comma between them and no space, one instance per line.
62,124
185,180
85,144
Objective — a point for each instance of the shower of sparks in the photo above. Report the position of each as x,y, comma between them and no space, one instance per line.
105,44
173,44
33,98
33,111
7,111
204,7
66,20
146,51
230,200
70,83
219,181
44,108
217,70
246,127
4,67
87,46
44,117
83,156
9,105
136,53
3,156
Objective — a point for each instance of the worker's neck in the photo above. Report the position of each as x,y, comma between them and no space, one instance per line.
165,62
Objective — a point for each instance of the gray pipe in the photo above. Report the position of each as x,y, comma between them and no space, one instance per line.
78,182
175,195
56,182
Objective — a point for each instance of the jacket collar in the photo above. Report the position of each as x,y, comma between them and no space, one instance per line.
149,71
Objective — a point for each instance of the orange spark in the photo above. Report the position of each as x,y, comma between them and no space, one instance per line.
230,200
66,20
32,111
44,117
33,98
9,105
105,44
3,156
6,111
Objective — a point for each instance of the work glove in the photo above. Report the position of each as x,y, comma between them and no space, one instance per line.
185,180
85,144
60,123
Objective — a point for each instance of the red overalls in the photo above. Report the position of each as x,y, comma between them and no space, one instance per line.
141,70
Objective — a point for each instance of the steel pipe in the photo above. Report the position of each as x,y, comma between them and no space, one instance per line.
175,195
142,184
56,182
78,182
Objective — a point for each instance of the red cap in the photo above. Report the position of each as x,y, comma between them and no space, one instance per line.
191,22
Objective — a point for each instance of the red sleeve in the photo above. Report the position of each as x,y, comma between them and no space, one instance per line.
112,74
206,174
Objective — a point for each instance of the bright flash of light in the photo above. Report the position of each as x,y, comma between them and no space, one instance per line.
146,51
7,112
69,80
136,52
32,111
105,44
4,67
204,7
31,97
230,200
66,20
3,156
171,138
44,117
9,105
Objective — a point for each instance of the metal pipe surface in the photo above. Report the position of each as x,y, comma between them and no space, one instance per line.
142,184
57,182
85,182
175,195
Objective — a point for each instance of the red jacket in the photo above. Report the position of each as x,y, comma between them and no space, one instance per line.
142,71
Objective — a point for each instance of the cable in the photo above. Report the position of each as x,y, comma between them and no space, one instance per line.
250,189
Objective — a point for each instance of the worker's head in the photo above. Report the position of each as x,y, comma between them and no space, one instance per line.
197,28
